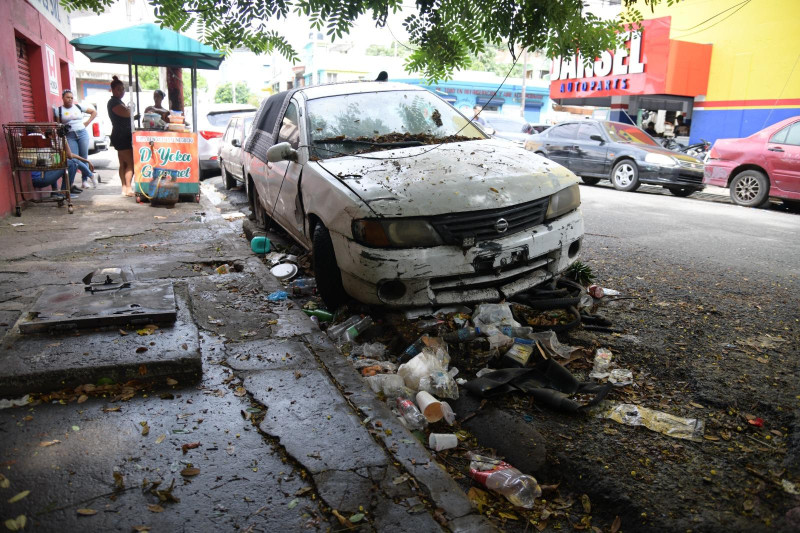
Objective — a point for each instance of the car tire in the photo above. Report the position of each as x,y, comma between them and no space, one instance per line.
681,192
750,188
260,214
590,181
625,176
227,179
326,270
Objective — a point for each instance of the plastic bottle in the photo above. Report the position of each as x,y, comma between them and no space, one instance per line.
518,488
321,314
461,335
413,418
358,328
516,332
336,331
412,350
303,286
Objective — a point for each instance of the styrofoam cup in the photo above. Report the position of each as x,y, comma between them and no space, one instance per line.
431,407
442,441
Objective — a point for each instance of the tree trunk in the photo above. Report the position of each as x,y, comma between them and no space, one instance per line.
175,88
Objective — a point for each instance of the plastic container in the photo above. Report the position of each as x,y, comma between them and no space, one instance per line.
430,407
391,385
413,349
519,354
410,414
223,269
602,362
498,476
461,335
337,330
442,441
320,314
448,414
260,244
303,286
358,328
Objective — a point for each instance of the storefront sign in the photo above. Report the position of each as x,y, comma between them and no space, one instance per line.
52,69
638,67
53,12
167,150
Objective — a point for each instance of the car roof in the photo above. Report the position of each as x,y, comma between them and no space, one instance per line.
226,108
355,87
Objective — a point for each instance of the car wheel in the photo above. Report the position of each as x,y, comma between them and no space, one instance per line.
590,181
227,179
326,270
750,188
681,192
257,209
625,176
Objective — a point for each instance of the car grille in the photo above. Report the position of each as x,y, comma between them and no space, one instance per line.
453,228
698,166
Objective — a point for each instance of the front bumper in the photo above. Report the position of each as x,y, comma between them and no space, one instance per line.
671,176
445,275
718,172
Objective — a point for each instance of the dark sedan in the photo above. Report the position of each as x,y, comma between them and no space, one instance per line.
624,154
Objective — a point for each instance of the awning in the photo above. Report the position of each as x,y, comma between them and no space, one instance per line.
487,100
148,44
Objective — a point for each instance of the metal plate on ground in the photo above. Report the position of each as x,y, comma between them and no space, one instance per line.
72,307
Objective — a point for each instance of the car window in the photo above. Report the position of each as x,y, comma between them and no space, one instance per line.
220,118
585,132
788,135
625,133
501,124
248,124
564,131
229,132
289,130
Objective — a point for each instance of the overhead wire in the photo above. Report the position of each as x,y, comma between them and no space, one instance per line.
712,17
742,5
788,79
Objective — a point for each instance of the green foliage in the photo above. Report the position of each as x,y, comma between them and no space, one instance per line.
445,34
487,62
202,85
148,78
580,272
224,93
398,49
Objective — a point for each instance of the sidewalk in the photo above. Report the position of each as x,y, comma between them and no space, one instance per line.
248,408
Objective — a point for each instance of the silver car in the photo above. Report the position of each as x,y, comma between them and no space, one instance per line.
231,162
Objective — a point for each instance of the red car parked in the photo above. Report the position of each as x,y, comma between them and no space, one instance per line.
764,165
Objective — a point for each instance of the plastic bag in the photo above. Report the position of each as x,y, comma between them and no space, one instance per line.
423,364
391,385
440,384
602,362
664,423
494,314
373,350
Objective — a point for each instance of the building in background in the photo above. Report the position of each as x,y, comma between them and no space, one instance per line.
37,64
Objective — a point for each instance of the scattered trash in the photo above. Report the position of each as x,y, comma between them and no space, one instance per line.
337,330
620,377
223,269
430,407
448,414
413,349
598,292
518,488
357,329
757,422
284,271
442,441
790,487
410,414
664,423
494,315
260,244
320,314
602,362
549,342
452,309
17,224
391,385
518,354
5,404
303,286
277,296
378,367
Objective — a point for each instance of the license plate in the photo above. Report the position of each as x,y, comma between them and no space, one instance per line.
488,261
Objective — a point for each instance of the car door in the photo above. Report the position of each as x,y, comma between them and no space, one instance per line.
247,123
283,177
783,158
234,164
225,145
560,142
589,155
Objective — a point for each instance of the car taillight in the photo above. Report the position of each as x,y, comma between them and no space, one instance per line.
96,129
209,134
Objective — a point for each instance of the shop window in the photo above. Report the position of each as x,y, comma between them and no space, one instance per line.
332,77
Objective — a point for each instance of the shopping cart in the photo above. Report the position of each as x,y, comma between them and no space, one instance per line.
37,146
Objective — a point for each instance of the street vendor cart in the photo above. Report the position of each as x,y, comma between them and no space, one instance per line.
164,153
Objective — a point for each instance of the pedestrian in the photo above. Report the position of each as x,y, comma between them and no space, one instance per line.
650,129
120,116
157,107
51,177
71,115
682,128
476,111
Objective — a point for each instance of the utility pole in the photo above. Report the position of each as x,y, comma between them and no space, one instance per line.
524,79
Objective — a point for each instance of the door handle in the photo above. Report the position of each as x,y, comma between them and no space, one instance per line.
775,149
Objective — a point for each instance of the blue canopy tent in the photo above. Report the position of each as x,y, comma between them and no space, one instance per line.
151,45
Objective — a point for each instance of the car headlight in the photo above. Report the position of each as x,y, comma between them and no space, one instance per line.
661,160
395,233
563,201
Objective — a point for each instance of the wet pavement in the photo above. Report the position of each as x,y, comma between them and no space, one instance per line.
242,403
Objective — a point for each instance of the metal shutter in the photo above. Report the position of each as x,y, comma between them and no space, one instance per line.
25,85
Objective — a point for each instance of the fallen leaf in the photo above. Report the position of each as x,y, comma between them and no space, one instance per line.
142,370
16,524
161,438
356,518
302,491
82,398
790,487
147,330
142,529
762,360
87,512
123,332
155,508
141,349
757,422
190,471
240,391
342,520
119,481
293,503
145,428
478,497
171,381
111,409
46,443
587,504
271,322
615,525
748,505
4,482
697,405
19,496
76,428
508,516
493,189
191,446
711,437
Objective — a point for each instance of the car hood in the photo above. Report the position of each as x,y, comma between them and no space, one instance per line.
664,151
454,177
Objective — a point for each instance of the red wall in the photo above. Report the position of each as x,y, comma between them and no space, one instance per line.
18,19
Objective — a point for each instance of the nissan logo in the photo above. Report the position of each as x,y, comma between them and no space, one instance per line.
501,226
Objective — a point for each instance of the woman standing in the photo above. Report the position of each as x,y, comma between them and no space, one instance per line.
158,107
71,114
120,116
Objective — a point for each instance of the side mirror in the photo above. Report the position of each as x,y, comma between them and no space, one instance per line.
597,138
281,152
236,143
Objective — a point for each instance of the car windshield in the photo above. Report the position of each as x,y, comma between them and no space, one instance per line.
368,122
506,124
628,134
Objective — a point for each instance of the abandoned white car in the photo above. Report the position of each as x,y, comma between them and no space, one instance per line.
403,201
